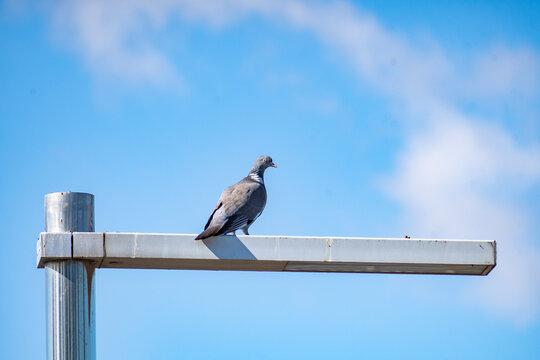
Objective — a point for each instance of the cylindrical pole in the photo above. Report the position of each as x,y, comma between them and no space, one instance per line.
70,298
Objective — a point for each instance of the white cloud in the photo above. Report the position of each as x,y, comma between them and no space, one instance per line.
454,173
513,290
453,180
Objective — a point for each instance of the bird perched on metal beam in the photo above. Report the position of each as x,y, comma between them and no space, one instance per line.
240,204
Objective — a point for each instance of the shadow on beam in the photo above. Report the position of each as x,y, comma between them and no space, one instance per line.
228,247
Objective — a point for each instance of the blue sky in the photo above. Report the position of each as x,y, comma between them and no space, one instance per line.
385,119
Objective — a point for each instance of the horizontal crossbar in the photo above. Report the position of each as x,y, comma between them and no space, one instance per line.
270,253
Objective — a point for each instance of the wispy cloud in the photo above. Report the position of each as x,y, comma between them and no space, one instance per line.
117,38
501,72
455,168
114,39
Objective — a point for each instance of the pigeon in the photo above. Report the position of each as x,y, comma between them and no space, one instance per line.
240,204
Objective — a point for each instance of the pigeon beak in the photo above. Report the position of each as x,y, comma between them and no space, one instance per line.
273,165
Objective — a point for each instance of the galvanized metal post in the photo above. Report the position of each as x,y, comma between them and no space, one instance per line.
71,332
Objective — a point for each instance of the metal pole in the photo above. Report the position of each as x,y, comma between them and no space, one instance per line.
70,294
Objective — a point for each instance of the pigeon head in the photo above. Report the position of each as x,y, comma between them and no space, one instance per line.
261,164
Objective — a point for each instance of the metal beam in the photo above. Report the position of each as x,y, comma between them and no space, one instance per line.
271,253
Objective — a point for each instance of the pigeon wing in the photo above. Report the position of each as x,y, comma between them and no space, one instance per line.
219,205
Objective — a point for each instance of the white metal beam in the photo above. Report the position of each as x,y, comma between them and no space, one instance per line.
271,253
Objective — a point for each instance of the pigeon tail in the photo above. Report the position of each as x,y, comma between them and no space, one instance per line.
209,232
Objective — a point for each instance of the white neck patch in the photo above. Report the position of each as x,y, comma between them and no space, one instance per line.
256,177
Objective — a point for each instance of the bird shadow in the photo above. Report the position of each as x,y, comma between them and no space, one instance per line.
228,247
